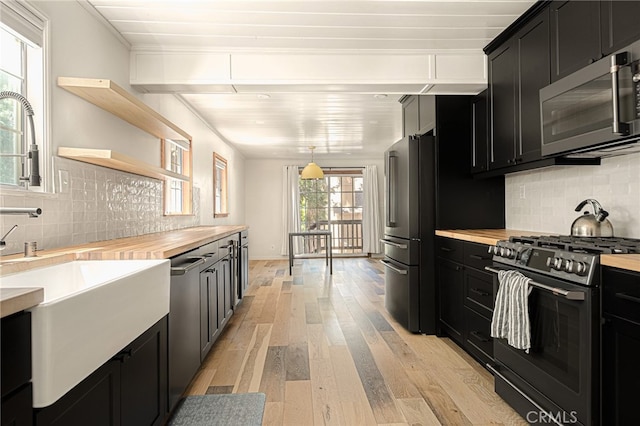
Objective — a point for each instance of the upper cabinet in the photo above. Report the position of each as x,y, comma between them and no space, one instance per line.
584,31
548,42
418,115
619,24
517,71
575,36
480,133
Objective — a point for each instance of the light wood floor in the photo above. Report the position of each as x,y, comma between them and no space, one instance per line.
324,351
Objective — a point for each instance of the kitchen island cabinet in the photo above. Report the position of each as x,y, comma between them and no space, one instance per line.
130,389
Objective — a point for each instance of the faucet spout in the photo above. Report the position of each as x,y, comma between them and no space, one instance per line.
31,211
3,245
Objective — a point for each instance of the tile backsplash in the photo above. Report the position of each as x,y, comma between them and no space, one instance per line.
544,200
91,203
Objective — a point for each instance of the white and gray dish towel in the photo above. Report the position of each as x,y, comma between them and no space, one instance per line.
511,312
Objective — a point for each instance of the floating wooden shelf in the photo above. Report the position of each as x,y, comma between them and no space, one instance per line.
117,161
113,98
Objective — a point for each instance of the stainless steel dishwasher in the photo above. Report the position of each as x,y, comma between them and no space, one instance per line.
184,317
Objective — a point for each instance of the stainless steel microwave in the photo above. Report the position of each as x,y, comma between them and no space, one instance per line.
594,109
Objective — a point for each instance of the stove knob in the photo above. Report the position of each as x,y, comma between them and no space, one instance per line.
501,251
581,268
554,263
568,266
493,250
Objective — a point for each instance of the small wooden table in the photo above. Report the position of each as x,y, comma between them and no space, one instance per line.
327,243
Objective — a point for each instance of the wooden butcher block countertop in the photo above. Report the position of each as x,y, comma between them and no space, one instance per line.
159,245
484,236
14,300
630,262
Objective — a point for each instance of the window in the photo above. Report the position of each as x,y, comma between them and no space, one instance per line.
176,157
334,203
21,71
220,202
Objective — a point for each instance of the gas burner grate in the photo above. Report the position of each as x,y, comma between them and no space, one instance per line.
590,245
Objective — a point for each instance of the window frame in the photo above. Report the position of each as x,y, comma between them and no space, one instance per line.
32,28
223,206
172,186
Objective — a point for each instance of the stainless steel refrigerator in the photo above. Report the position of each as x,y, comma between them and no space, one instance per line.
429,186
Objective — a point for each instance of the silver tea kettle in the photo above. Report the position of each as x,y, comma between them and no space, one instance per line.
593,224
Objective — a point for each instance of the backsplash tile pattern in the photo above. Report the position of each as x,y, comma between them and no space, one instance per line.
97,204
544,200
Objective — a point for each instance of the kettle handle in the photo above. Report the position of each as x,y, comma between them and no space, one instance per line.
599,213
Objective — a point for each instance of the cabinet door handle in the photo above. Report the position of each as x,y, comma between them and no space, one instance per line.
447,249
480,336
628,297
476,257
478,292
458,268
123,356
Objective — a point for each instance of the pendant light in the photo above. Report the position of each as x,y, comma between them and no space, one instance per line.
312,170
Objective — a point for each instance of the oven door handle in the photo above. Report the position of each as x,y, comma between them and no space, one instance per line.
568,294
390,266
524,395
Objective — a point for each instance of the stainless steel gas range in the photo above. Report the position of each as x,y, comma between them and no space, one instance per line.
558,380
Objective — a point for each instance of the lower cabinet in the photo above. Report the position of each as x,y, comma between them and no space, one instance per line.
216,303
466,296
15,377
129,389
450,290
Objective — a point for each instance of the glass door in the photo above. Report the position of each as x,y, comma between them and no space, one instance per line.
334,203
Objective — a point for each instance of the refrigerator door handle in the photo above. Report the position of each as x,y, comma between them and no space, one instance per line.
390,266
391,243
392,190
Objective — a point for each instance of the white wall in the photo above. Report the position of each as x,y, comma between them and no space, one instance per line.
80,45
544,200
264,199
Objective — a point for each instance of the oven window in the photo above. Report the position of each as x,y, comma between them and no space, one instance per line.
555,337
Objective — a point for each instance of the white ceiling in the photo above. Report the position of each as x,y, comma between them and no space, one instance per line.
339,116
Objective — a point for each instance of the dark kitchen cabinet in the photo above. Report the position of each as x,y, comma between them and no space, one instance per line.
575,36
243,264
411,116
620,346
619,24
517,71
216,302
450,281
227,286
130,389
418,114
211,295
480,135
143,378
466,296
15,366
502,106
450,290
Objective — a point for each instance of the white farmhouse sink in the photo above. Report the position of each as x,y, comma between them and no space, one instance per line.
91,310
